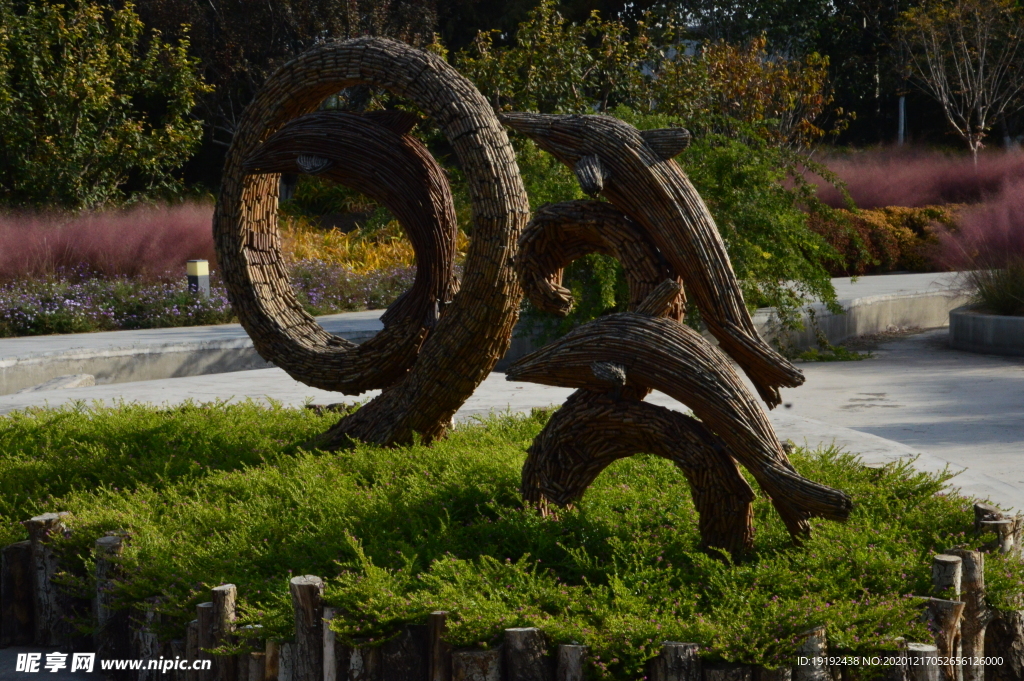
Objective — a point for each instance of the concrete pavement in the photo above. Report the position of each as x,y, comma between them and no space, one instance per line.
915,396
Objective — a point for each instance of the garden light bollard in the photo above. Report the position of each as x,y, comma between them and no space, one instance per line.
198,272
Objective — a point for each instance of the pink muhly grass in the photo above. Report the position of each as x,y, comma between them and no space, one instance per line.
989,235
143,242
915,177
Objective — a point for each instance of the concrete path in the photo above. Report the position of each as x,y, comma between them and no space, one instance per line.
914,396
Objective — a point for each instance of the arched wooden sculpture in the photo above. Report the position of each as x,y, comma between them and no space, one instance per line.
373,154
616,360
634,170
474,330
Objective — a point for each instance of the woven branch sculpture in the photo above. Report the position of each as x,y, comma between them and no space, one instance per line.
474,329
660,231
440,340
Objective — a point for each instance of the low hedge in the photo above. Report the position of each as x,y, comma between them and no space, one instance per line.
225,493
889,239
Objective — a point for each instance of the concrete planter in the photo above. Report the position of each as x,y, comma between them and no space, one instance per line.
988,333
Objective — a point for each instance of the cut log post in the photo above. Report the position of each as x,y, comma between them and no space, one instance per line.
1018,534
307,602
404,658
526,655
272,660
192,649
780,674
571,660
257,666
330,646
286,662
144,643
205,616
976,613
921,662
944,617
477,665
250,637
1004,529
439,652
175,650
1004,639
810,665
107,548
48,610
947,574
224,598
17,627
982,512
728,672
676,662
364,664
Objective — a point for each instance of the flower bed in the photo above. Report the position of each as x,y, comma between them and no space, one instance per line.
76,301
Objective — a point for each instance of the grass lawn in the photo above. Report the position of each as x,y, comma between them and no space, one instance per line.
225,493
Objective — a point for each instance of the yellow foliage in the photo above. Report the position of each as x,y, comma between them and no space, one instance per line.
384,248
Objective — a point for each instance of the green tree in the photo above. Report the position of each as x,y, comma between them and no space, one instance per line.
92,113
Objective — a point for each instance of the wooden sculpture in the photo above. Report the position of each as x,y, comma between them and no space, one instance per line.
657,228
441,339
634,170
373,154
476,326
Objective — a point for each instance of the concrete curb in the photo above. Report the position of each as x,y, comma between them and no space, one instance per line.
129,356
986,333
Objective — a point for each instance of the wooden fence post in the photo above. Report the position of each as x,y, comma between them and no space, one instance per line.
224,598
404,658
144,643
307,602
439,653
286,662
526,655
192,649
571,660
205,615
814,646
249,636
271,660
48,610
976,613
1004,639
257,666
1004,529
476,665
922,659
17,604
728,672
330,651
676,662
364,664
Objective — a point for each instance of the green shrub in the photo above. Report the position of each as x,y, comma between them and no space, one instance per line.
217,494
94,111
884,239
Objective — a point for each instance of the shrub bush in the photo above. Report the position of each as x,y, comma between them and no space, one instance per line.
93,110
220,493
889,239
988,235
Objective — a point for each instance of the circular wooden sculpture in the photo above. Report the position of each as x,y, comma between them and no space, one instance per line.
474,330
